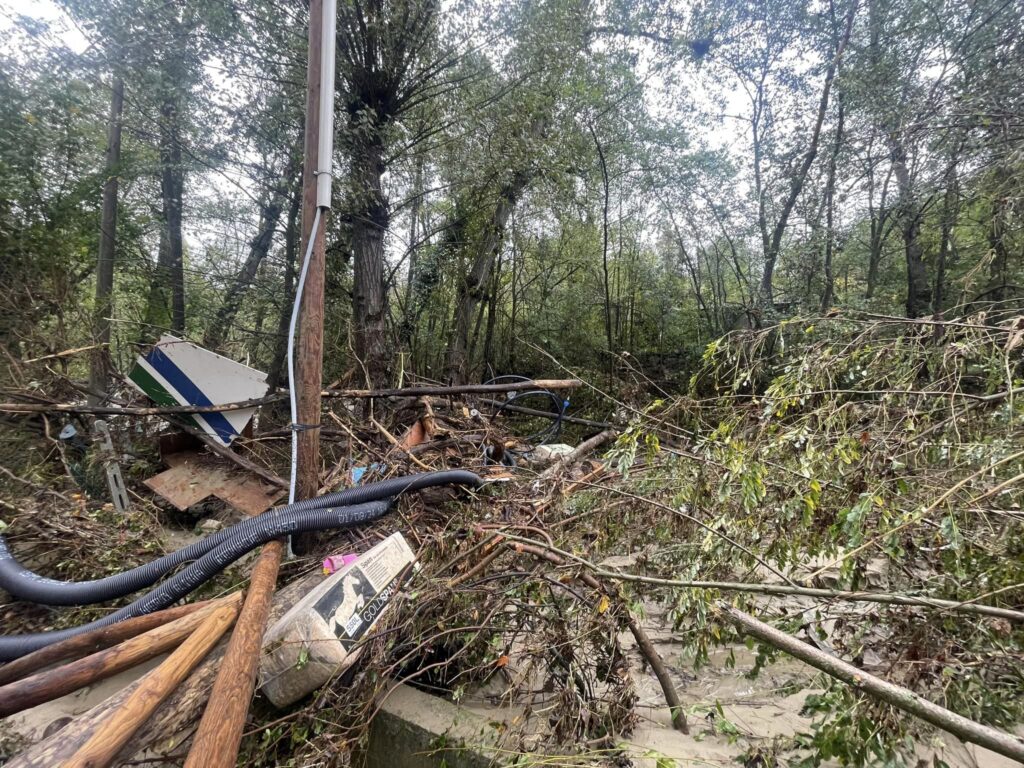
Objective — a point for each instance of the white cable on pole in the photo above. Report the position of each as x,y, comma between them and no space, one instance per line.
292,395
325,152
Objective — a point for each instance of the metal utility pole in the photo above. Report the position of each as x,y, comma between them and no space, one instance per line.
220,732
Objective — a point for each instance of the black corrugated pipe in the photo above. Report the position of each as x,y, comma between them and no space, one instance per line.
267,528
27,585
396,486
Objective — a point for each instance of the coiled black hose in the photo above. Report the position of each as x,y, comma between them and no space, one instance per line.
27,585
270,526
559,407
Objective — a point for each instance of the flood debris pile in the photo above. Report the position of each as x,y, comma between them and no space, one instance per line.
832,513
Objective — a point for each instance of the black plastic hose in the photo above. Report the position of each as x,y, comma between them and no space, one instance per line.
552,431
396,486
270,527
28,585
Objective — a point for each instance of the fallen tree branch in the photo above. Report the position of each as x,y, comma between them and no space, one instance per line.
894,695
580,451
66,353
230,455
133,410
398,445
457,389
885,598
129,410
548,414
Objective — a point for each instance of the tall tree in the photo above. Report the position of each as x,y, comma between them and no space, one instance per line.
389,61
108,242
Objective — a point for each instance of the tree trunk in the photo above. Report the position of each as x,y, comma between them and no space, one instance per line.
604,242
167,291
411,295
370,216
828,296
291,242
492,316
98,365
875,244
797,182
999,275
908,215
514,311
950,211
259,247
473,287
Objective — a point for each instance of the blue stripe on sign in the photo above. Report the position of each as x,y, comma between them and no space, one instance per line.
163,365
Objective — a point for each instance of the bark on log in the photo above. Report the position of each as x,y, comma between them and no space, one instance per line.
220,731
91,642
580,451
115,731
60,681
162,733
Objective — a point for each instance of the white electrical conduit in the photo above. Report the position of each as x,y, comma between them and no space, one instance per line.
325,152
292,394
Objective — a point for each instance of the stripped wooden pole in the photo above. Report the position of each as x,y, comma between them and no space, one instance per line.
220,731
91,642
60,681
101,749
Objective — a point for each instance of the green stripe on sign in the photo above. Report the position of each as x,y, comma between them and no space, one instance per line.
158,394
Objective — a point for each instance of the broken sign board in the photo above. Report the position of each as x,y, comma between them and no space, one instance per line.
177,372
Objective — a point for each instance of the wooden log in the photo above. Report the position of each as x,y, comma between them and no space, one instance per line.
548,414
60,746
457,389
91,642
580,451
220,730
115,731
162,733
357,394
967,730
60,681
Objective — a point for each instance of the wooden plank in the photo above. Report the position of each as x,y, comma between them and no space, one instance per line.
194,476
